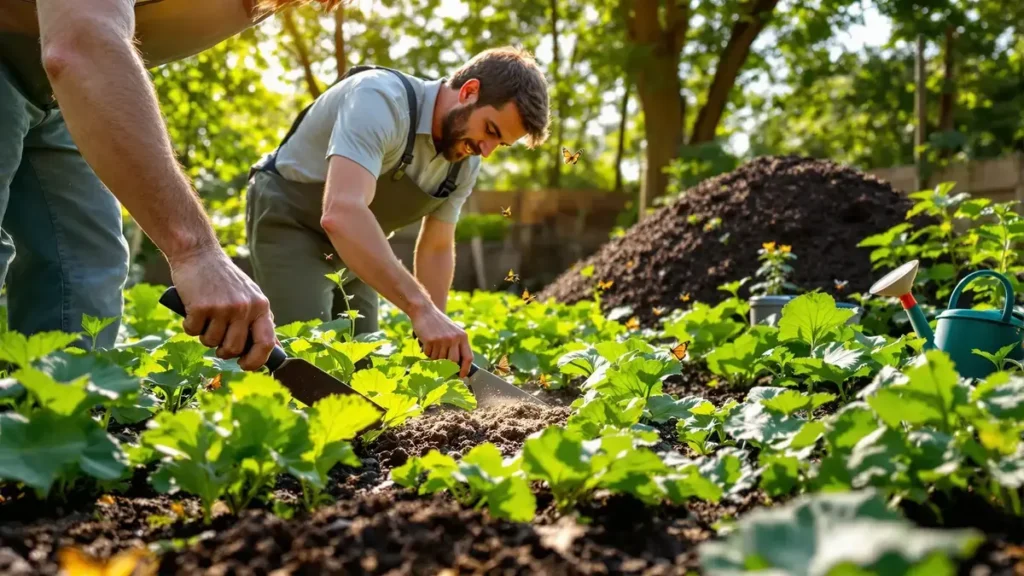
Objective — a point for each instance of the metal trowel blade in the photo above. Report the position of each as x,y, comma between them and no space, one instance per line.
493,391
307,383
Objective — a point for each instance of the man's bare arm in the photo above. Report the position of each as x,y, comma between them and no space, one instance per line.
110,108
361,244
434,260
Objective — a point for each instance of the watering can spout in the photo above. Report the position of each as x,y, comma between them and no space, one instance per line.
898,284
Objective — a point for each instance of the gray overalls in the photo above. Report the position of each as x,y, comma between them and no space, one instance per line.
288,246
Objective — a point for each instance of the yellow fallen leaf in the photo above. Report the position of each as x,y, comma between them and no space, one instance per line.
137,561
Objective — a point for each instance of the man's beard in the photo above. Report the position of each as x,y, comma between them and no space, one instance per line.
453,128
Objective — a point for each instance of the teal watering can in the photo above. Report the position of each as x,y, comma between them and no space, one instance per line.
959,331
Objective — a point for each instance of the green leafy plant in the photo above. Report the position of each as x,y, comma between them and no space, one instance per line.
775,270
836,533
482,477
233,447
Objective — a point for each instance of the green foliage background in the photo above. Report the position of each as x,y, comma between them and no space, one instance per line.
798,89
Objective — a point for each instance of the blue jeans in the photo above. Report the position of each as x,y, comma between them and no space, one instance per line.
62,250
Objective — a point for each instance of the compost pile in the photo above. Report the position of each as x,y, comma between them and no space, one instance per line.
820,208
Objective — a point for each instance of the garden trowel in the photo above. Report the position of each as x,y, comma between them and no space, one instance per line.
493,391
306,382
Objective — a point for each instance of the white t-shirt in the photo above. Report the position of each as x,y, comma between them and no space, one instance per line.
365,118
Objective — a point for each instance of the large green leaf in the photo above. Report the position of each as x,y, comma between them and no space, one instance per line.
928,397
754,422
815,535
17,349
598,411
103,374
1002,394
581,362
811,318
662,407
559,459
64,399
36,451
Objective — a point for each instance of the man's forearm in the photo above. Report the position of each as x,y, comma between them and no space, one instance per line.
361,244
435,270
111,111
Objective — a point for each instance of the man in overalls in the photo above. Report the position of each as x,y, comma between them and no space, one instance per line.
64,169
376,152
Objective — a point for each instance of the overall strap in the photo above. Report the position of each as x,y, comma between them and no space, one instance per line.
448,186
410,142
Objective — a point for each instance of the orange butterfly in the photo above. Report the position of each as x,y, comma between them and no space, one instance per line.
657,310
685,297
527,297
630,264
604,285
502,366
680,351
633,323
512,277
569,157
506,212
544,381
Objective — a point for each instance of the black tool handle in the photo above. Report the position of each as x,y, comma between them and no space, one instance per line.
171,300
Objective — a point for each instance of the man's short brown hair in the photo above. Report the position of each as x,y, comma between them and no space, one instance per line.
510,74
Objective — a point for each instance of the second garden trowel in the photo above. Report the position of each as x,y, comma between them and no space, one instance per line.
306,382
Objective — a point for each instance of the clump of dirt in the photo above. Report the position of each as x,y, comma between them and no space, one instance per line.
455,432
820,208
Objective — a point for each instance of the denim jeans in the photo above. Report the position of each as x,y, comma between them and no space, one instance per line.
62,250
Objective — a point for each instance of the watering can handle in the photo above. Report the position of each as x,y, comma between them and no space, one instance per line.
954,298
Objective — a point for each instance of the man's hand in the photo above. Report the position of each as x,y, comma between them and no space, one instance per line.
215,291
443,339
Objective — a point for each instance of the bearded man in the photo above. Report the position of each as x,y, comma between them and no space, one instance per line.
80,130
377,151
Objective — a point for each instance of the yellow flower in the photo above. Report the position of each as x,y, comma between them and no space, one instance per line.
768,246
785,248
946,227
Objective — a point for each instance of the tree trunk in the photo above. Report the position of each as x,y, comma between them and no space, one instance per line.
622,135
339,41
555,174
948,98
744,31
658,86
302,51
920,113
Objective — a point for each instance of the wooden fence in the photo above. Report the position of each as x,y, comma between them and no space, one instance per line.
999,179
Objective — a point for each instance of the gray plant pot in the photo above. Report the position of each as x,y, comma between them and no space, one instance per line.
768,309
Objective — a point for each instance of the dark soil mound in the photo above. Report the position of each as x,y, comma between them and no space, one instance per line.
455,432
820,208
